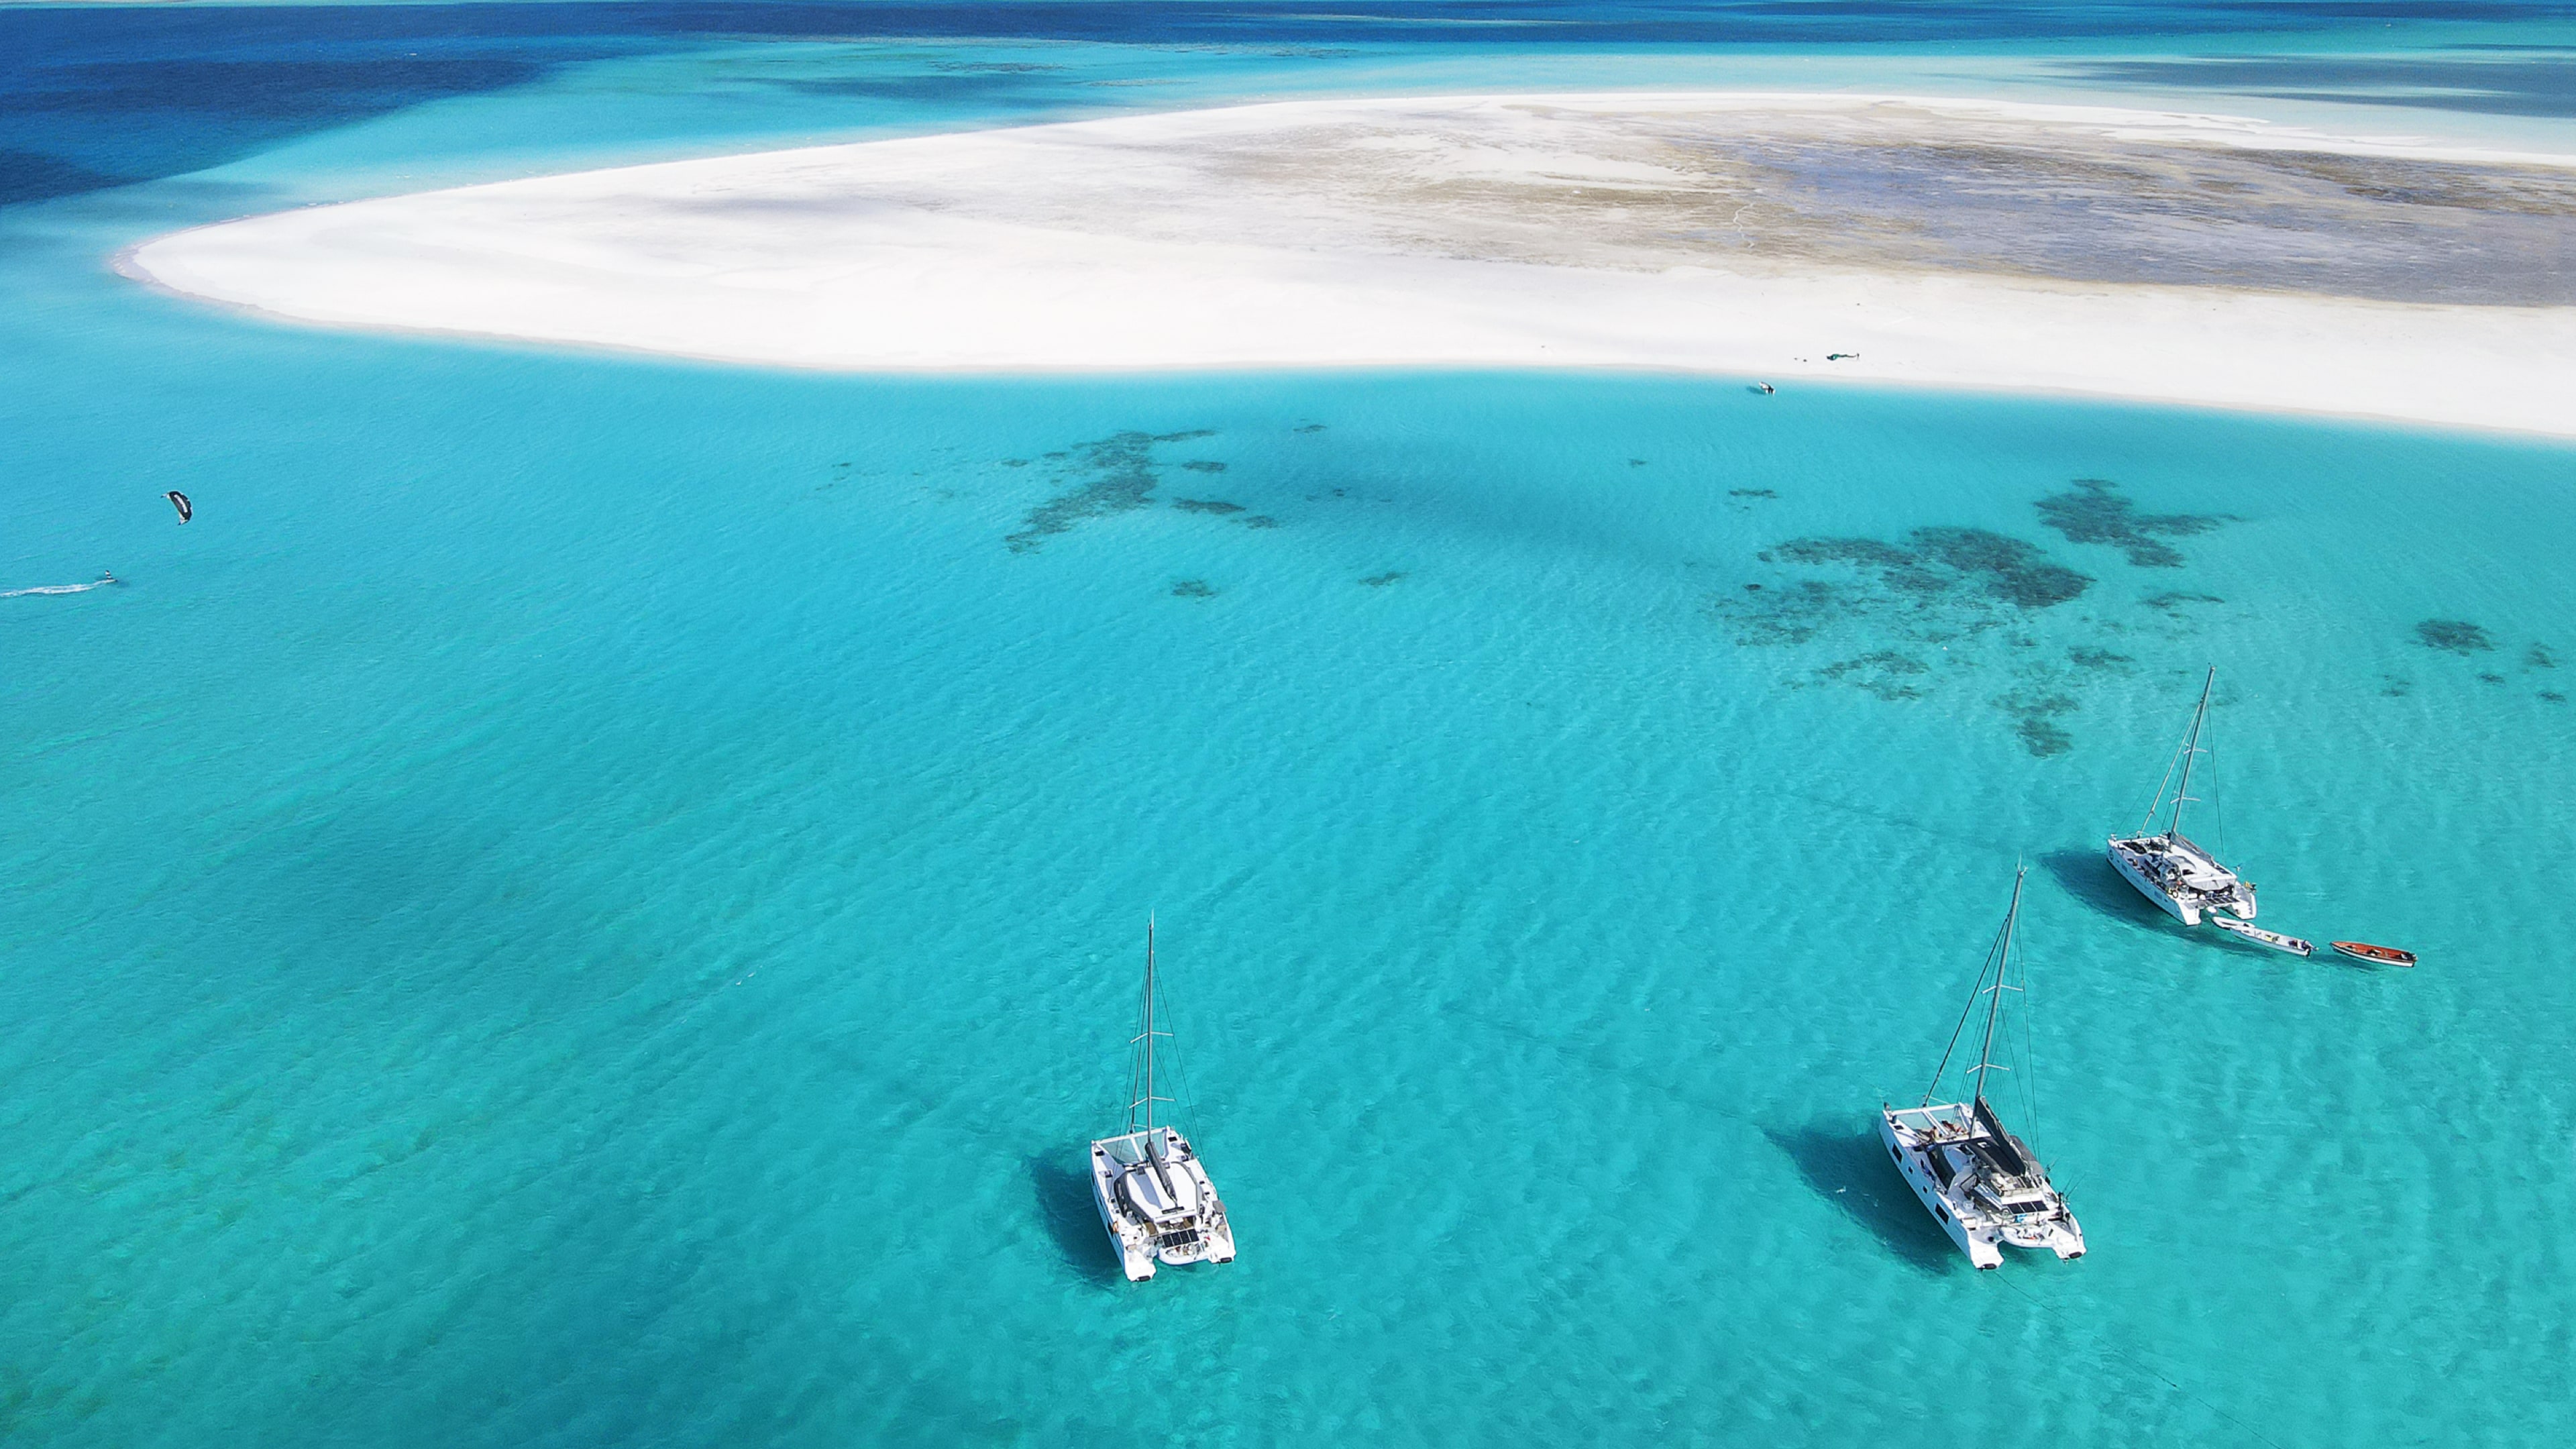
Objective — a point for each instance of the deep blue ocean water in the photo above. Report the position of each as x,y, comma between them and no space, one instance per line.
594,901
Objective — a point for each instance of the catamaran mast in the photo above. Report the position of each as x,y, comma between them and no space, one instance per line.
1995,956
1149,1021
1140,1070
1995,1001
1140,1067
2191,752
1152,1146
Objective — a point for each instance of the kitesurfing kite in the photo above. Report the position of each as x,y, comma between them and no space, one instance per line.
179,500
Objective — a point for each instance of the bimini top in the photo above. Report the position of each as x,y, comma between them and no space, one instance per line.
1994,1146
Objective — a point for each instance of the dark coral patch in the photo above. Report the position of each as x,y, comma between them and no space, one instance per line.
1867,552
1938,585
1898,569
2035,714
2539,657
1987,600
1942,559
1202,465
1061,513
1379,581
1260,520
1884,672
1206,505
2011,570
2453,636
1193,589
1790,615
1121,479
2096,512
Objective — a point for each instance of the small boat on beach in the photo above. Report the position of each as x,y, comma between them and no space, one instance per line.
2261,937
2171,869
1983,1183
1153,1194
2376,955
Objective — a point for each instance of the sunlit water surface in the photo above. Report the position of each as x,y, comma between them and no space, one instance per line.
596,901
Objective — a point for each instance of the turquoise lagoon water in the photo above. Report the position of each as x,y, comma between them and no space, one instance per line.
596,901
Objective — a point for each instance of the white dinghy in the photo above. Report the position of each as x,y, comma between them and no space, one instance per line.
1153,1194
2172,869
2259,936
1983,1183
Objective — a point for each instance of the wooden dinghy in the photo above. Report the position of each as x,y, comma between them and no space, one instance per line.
2376,955
2261,937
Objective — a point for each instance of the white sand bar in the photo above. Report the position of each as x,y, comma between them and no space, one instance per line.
1984,245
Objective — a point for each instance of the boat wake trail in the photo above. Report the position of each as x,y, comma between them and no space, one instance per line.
102,581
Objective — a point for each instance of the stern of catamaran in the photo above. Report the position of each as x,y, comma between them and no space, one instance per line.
2197,870
2240,899
1133,1239
2052,1229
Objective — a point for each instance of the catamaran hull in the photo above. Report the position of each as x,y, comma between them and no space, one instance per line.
1204,1236
2127,864
1984,1243
1136,1263
1978,1245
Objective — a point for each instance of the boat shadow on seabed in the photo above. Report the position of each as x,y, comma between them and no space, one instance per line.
2089,878
1850,1170
1072,1220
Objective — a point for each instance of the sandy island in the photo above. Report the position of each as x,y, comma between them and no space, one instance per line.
2177,258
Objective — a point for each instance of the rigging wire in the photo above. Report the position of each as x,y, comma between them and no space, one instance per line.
2158,803
2026,1069
2181,752
1184,1102
2217,810
1156,1025
1965,1011
1135,1078
1140,1048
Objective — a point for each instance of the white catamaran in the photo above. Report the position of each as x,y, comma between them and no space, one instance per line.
1980,1180
1153,1195
2172,869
